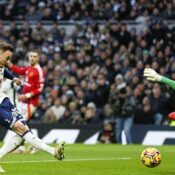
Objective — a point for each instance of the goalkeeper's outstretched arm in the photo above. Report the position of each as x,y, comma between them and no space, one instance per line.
152,75
168,81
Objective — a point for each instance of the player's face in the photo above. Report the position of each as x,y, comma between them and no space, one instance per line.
5,57
33,58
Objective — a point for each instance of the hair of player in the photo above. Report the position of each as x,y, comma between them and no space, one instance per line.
34,50
4,46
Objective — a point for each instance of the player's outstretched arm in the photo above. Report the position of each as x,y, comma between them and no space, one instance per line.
16,69
168,81
152,75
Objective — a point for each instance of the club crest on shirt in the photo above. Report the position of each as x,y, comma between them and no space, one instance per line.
31,74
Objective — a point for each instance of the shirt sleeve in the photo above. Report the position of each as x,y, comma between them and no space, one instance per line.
19,70
38,90
8,74
168,81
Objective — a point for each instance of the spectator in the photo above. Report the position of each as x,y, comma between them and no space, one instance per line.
107,134
47,15
55,112
144,115
158,104
91,114
93,59
124,108
31,15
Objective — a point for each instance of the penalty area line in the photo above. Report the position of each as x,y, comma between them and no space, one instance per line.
66,160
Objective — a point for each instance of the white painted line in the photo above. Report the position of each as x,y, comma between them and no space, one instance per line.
66,160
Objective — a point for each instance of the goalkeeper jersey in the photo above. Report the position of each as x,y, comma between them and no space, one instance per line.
34,81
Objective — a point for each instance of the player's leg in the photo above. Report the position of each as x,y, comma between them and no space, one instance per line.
7,120
11,145
26,110
11,119
14,143
22,129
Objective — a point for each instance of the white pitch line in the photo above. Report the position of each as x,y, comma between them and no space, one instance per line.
66,160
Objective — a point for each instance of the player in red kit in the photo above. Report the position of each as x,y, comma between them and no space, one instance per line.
32,86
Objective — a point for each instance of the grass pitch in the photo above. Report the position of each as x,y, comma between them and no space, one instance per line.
100,159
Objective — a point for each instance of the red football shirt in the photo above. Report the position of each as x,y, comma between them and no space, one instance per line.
34,81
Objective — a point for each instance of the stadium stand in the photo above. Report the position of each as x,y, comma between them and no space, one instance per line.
90,51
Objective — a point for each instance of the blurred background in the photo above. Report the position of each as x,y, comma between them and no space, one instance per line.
94,53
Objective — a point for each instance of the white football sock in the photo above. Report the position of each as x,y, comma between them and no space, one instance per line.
38,143
11,145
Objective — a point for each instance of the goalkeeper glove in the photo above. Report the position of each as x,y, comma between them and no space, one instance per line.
151,75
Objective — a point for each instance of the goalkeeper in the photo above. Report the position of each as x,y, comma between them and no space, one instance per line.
152,75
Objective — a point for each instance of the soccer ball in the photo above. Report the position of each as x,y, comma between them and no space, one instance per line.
150,157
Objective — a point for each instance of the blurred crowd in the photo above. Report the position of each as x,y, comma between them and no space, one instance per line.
94,73
139,10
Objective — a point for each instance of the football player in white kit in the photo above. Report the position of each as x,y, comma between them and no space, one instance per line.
11,119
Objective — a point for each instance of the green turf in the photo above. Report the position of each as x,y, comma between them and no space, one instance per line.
90,160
